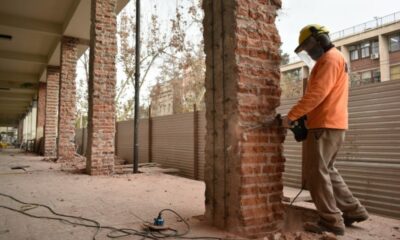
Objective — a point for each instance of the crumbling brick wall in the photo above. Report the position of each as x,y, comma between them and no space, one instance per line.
67,105
102,78
244,164
51,115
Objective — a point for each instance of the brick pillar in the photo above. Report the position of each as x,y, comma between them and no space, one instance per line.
20,130
66,118
41,105
51,112
244,165
102,75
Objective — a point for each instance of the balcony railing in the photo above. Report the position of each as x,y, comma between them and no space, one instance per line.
363,27
360,28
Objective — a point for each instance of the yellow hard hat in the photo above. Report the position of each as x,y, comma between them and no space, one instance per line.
309,30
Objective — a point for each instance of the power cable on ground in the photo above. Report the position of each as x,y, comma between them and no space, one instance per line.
114,231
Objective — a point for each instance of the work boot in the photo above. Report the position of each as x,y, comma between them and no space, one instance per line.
350,219
320,228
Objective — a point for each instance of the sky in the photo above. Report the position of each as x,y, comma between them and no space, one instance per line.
166,9
295,14
335,15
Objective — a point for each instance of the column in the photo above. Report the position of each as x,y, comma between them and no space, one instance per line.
67,108
384,58
244,164
102,78
20,131
41,105
33,120
346,55
51,112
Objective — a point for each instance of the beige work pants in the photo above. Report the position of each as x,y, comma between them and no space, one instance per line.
328,190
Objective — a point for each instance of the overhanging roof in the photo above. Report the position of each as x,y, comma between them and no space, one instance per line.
31,33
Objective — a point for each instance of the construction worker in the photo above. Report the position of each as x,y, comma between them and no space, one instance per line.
325,105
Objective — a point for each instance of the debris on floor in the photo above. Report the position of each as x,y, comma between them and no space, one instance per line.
142,196
23,167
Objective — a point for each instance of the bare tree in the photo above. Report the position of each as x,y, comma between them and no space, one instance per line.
171,50
154,44
184,68
82,92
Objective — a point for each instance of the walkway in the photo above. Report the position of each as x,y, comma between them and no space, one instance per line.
121,201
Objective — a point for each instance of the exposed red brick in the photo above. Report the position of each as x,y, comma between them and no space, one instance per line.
244,165
102,78
67,108
51,113
41,111
394,57
364,64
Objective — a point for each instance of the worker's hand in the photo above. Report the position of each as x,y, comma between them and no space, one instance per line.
286,123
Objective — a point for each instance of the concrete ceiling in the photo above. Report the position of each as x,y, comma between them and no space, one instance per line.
35,28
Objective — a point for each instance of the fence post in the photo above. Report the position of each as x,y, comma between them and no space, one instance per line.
83,153
196,142
116,138
150,135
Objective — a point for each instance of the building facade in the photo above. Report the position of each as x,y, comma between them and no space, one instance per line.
162,99
371,49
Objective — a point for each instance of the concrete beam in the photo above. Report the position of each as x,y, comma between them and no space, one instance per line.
18,77
4,115
373,33
13,85
9,95
292,66
30,24
11,110
70,14
16,98
17,91
4,105
23,57
9,122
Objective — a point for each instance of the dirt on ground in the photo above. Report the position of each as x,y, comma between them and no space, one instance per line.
123,201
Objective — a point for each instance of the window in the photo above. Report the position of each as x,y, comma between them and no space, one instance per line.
353,52
365,49
375,47
395,73
355,79
363,78
376,75
354,55
394,43
366,77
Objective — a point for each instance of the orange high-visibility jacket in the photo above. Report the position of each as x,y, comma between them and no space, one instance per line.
326,98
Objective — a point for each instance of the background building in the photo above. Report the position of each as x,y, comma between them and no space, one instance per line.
162,99
371,49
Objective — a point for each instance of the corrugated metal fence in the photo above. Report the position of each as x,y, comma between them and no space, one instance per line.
81,140
172,142
369,161
124,140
